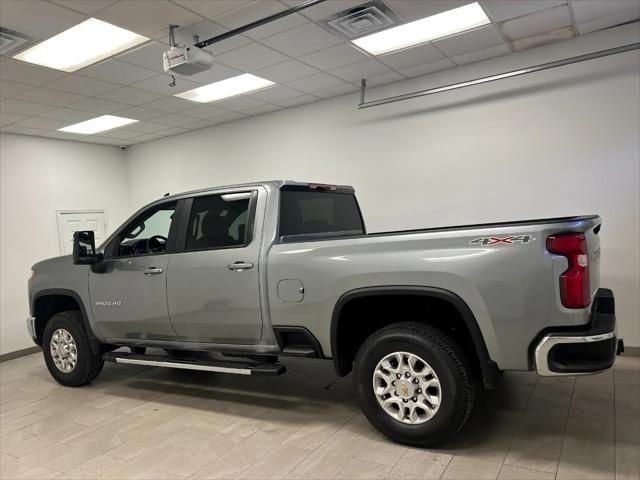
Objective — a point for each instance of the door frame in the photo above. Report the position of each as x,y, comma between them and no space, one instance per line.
61,213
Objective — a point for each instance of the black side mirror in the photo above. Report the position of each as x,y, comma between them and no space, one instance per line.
84,248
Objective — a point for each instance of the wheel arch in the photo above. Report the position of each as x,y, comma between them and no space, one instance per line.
48,302
343,359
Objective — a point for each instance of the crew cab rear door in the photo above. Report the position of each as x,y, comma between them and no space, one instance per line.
213,283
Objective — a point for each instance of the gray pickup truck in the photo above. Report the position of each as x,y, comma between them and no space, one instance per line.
230,279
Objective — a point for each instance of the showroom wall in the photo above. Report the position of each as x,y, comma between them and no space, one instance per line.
37,177
555,143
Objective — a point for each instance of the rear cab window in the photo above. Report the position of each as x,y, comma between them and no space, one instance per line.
316,212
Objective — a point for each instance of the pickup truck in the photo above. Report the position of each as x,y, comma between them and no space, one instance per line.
230,279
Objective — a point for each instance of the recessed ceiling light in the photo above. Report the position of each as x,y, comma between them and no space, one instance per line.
98,124
424,30
82,45
225,88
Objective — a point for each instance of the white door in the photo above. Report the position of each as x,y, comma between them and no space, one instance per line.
73,221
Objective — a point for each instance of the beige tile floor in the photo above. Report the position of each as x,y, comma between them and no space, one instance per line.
154,423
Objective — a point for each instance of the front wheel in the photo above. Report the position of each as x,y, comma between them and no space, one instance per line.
67,352
414,384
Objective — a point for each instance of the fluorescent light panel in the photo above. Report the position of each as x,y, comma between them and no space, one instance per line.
98,124
230,87
424,30
86,43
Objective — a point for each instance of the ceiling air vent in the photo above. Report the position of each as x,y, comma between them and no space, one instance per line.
11,41
362,20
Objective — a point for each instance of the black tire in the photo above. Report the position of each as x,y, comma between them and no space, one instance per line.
88,364
447,361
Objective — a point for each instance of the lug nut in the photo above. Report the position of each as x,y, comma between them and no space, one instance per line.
407,374
415,399
415,380
405,400
393,383
419,390
398,375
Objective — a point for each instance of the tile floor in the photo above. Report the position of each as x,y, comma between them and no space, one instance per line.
154,423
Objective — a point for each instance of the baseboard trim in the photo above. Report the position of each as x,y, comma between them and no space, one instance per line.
632,351
19,353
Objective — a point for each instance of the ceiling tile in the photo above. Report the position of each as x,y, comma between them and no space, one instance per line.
147,138
294,101
68,115
170,104
41,122
237,104
49,97
160,84
204,123
8,89
228,44
384,79
146,127
11,105
98,105
173,119
261,109
231,117
120,133
172,131
117,72
82,85
325,9
22,130
214,74
301,40
543,38
334,57
209,9
277,26
535,23
275,93
7,118
608,21
88,7
483,54
411,57
500,10
249,12
428,68
206,112
314,83
21,72
148,56
37,18
205,29
286,71
139,113
130,96
145,18
469,41
354,73
251,57
587,10
339,90
70,136
411,10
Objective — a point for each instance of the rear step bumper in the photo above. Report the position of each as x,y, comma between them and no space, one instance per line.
220,366
582,352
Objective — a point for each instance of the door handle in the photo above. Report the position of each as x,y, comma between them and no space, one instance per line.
152,270
240,266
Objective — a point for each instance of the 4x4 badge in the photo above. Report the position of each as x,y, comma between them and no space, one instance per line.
502,240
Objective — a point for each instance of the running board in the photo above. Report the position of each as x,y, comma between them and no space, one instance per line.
220,366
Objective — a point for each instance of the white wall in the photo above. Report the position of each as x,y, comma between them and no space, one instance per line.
555,143
39,176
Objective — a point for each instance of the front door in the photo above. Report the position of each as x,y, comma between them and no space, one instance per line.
129,294
213,284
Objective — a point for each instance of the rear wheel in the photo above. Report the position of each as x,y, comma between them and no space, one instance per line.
67,352
414,384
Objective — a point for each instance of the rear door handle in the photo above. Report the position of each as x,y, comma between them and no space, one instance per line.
240,266
152,270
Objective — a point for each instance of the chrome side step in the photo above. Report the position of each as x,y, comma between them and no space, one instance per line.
220,366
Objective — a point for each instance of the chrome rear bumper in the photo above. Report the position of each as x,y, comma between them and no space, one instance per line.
581,352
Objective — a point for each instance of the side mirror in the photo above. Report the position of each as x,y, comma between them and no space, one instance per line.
84,248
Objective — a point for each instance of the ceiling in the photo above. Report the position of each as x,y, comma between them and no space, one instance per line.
307,62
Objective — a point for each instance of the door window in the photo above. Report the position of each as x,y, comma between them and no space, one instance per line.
147,235
219,221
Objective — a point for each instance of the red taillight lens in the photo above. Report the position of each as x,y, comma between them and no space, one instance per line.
575,290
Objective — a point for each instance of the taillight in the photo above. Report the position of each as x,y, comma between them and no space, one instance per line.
575,291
